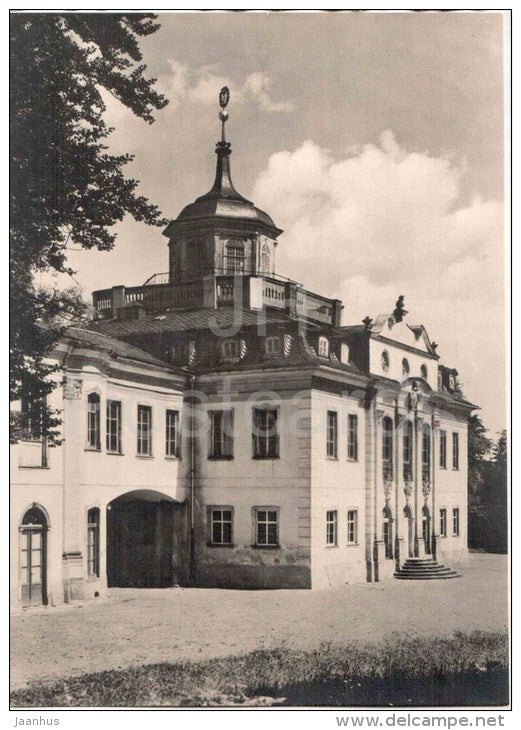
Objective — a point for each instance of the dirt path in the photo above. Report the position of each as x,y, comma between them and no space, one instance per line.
135,626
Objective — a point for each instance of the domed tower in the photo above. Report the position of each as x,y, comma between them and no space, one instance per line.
221,233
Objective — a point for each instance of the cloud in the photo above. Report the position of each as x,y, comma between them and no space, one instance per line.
202,85
383,221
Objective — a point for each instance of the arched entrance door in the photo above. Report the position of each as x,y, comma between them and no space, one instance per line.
140,540
33,557
426,529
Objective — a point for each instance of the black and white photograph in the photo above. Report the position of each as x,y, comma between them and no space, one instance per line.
259,362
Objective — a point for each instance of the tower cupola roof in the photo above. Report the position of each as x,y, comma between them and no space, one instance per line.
223,204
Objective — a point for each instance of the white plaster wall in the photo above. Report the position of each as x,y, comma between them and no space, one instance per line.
336,484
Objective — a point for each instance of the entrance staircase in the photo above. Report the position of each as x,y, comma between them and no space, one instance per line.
424,569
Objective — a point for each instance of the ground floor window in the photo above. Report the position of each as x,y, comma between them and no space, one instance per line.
455,521
426,530
266,526
331,527
443,522
352,526
93,520
221,522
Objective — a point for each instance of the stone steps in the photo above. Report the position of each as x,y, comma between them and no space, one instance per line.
424,569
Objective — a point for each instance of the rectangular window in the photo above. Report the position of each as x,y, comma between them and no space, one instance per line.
114,426
221,435
455,521
93,542
173,437
443,449
93,422
144,430
332,435
455,450
407,451
443,523
221,520
352,437
331,527
352,526
266,526
265,433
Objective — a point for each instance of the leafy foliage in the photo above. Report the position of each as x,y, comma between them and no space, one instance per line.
65,185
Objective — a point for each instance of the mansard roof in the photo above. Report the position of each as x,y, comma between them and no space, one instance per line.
114,347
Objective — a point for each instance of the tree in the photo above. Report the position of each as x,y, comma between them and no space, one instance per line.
479,445
65,185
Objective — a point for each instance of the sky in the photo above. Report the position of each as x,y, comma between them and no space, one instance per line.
375,140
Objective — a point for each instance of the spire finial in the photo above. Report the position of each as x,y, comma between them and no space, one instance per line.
224,98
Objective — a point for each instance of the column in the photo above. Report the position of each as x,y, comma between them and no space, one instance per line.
74,425
378,501
434,457
400,551
419,547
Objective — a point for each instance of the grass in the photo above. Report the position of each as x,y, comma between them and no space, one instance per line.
412,671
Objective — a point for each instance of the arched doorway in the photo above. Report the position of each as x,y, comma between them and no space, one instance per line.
33,557
140,540
387,531
407,513
426,529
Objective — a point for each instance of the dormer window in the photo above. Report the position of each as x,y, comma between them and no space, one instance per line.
405,367
385,361
424,371
452,382
440,380
344,353
273,346
230,349
323,347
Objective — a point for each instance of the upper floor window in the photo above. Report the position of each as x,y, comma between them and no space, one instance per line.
405,367
385,361
221,435
234,258
455,450
407,450
344,353
273,345
173,437
144,430
93,421
332,527
443,449
93,519
31,414
230,349
113,426
426,450
332,434
352,437
387,445
265,433
424,371
452,382
323,347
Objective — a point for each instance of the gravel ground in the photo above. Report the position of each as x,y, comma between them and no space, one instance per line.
135,627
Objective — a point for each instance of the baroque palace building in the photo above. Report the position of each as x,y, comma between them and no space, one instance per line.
221,427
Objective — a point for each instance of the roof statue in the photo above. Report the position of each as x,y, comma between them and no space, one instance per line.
400,311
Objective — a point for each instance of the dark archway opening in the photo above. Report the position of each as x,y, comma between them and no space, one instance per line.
140,534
